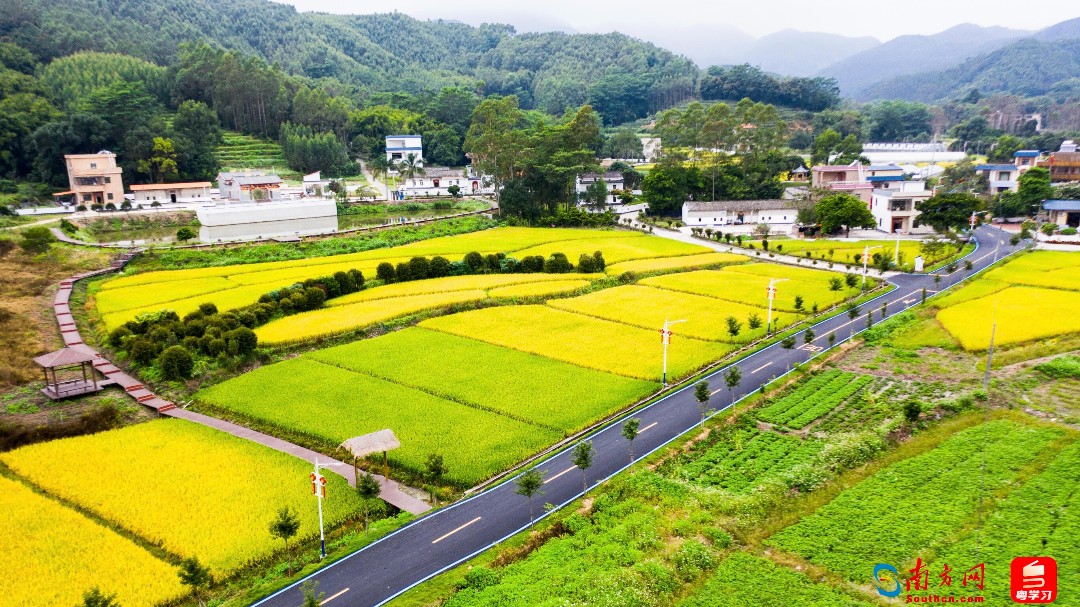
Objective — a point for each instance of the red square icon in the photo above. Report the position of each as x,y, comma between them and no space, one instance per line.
1033,579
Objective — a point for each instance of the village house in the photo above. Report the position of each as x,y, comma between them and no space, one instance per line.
1065,213
1064,164
196,191
1025,159
894,207
742,215
1001,177
843,178
93,179
436,181
613,181
249,186
398,148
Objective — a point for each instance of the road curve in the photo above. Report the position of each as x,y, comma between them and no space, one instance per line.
445,538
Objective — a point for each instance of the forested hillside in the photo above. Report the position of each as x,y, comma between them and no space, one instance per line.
387,52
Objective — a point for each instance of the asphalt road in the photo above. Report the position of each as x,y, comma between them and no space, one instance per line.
446,537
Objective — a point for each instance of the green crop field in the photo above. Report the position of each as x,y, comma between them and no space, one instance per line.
814,399
192,489
915,504
238,152
750,581
648,308
1042,517
682,262
53,554
581,340
543,391
739,470
747,287
335,404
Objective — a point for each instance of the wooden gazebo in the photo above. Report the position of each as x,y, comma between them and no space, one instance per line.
362,446
67,359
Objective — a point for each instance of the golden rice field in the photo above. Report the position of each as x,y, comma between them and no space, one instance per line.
539,289
236,286
1022,314
648,308
844,250
581,340
341,319
682,262
53,554
751,288
196,491
455,283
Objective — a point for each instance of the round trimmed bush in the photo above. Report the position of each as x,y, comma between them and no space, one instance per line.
176,363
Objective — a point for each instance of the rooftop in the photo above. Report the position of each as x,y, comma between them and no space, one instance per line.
1027,154
171,186
995,167
383,440
1059,205
742,205
606,176
440,172
884,167
257,179
873,178
63,358
403,136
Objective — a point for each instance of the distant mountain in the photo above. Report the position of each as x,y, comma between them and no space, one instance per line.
706,43
794,53
913,54
1066,30
1027,67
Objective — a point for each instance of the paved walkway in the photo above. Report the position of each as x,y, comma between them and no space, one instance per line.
391,492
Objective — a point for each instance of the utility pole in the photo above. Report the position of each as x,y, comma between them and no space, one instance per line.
772,295
665,338
865,261
318,488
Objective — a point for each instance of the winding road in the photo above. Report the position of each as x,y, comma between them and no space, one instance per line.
447,537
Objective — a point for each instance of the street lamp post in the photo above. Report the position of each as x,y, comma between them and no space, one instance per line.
318,487
665,338
772,295
865,261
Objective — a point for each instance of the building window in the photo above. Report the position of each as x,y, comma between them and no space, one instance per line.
109,196
108,180
86,197
93,165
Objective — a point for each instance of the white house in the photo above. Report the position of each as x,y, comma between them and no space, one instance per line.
651,148
249,186
1026,159
894,208
315,185
743,214
398,148
436,181
196,191
1002,177
613,180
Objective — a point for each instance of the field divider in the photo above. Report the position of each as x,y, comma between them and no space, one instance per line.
438,394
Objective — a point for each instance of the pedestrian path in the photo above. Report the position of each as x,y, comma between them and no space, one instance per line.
390,492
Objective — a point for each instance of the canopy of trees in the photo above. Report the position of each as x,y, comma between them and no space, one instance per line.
736,82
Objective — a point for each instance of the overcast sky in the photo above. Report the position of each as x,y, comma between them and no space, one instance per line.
882,20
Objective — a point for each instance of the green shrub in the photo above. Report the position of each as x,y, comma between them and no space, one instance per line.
479,578
1061,368
176,363
692,559
720,539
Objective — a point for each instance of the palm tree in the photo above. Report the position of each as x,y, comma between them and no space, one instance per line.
410,167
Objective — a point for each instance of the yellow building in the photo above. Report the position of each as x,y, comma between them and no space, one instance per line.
94,178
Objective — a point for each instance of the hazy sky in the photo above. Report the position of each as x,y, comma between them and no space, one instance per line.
882,20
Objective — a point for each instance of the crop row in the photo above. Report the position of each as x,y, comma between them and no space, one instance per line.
334,404
813,408
774,412
538,289
911,505
582,340
764,455
194,490
53,554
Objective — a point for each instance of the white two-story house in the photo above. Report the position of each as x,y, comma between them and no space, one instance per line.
894,207
1002,177
613,181
398,148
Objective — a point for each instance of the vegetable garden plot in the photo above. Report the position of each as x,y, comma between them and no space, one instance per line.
53,554
335,404
763,455
197,491
581,340
930,497
648,308
815,399
541,390
750,581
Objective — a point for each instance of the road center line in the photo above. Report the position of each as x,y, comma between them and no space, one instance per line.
334,597
761,367
559,474
647,427
441,538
